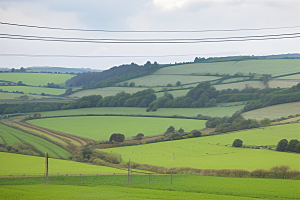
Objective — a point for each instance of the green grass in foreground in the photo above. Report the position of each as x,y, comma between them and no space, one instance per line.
11,135
274,112
210,152
36,90
160,187
101,127
18,164
187,112
35,79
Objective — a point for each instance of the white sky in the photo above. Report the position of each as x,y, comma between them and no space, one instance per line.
143,15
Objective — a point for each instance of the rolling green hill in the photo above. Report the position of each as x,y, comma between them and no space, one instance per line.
215,152
101,127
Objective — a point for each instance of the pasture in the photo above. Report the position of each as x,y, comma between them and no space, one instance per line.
187,112
108,91
275,67
274,112
175,93
36,90
11,136
35,79
182,187
215,152
6,95
17,164
101,127
164,80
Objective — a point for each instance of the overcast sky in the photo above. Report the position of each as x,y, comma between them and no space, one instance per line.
144,15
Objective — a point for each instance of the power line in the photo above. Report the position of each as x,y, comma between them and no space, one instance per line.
84,56
161,31
144,40
296,35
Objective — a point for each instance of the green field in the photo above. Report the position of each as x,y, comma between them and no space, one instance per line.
274,112
187,112
35,79
274,67
175,93
17,164
296,76
235,79
36,90
101,127
211,152
11,136
163,80
108,91
160,187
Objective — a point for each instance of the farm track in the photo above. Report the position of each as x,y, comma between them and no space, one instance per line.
62,136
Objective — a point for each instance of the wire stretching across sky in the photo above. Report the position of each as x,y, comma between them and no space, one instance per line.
155,41
139,31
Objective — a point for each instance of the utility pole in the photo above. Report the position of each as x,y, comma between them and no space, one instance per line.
128,172
46,168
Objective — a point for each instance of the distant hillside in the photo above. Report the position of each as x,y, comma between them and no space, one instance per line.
112,75
63,70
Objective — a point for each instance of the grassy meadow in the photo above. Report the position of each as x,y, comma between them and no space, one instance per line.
274,112
101,127
274,67
11,136
35,79
187,112
160,187
108,91
163,80
4,95
215,152
36,90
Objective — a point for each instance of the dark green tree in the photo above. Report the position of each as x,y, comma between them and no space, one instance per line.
139,136
282,144
117,137
292,144
297,148
237,143
178,83
196,133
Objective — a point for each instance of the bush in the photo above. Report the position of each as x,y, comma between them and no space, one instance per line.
237,143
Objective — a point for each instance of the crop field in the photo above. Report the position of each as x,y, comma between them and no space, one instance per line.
17,164
11,136
37,90
163,80
187,112
35,79
160,187
274,67
215,152
274,112
101,127
108,91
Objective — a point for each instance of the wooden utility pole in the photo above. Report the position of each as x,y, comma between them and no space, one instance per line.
128,172
46,168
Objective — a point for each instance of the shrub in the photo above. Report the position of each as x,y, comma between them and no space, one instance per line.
237,143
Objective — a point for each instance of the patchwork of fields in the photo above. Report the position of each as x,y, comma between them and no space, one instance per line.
215,152
274,67
274,112
163,80
101,127
35,79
